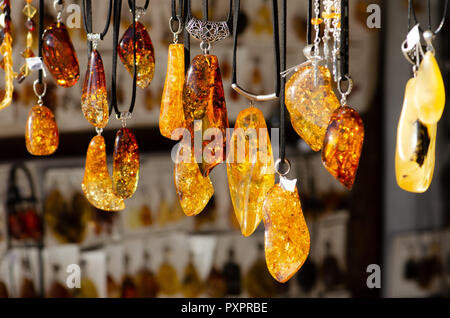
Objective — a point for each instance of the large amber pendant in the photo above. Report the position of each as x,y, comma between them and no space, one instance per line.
7,65
97,184
250,168
310,106
343,144
41,132
171,114
59,55
145,55
416,142
94,99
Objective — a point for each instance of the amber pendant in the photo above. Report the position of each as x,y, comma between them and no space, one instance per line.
250,168
94,99
204,105
145,55
343,144
41,132
7,65
126,164
59,55
97,184
310,106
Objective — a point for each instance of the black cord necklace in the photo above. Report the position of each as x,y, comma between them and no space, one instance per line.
412,14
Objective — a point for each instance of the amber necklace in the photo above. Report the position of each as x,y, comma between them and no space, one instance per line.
29,11
6,51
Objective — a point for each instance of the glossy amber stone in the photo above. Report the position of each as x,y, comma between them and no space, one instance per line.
97,184
145,54
59,55
310,107
171,114
250,168
7,65
41,132
94,99
286,236
343,144
126,164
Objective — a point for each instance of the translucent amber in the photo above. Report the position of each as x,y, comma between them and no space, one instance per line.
310,107
145,55
126,164
286,237
343,144
41,132
7,65
171,113
94,99
97,184
416,142
59,55
250,168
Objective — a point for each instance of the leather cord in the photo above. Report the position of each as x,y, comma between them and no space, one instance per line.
344,51
282,134
87,15
412,15
41,32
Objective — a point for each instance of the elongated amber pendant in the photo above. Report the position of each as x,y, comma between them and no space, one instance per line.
41,132
250,168
171,114
126,164
97,184
204,105
94,99
59,55
145,54
416,142
343,144
7,65
310,106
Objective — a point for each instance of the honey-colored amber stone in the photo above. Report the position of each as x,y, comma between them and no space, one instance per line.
171,114
145,54
41,132
94,99
316,21
59,55
7,65
416,142
286,237
97,184
126,164
250,168
310,107
343,144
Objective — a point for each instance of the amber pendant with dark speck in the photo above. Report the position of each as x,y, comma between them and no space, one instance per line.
126,164
41,132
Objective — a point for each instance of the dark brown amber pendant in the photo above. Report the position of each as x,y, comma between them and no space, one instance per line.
126,164
59,55
41,132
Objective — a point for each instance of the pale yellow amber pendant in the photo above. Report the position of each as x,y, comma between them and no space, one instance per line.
41,132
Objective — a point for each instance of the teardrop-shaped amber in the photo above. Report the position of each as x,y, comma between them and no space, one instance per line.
343,144
126,164
145,54
59,55
250,168
97,184
310,107
171,114
94,99
416,142
286,236
41,132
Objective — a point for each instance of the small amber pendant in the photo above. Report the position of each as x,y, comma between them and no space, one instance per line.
343,144
126,164
250,168
41,132
59,55
145,54
94,99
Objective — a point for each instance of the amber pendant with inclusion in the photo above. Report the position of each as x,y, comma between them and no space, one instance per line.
41,132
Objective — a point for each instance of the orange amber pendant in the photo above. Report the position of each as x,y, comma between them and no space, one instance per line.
59,55
343,144
41,132
145,55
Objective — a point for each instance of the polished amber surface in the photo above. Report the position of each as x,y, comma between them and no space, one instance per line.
310,107
94,99
41,132
343,144
97,184
171,114
145,55
126,164
286,237
59,55
7,65
250,168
